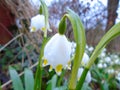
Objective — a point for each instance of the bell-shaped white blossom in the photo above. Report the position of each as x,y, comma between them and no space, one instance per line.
100,65
57,53
38,23
88,78
85,59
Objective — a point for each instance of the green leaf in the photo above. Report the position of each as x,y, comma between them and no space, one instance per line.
38,74
110,35
52,83
17,83
29,80
86,87
60,88
105,86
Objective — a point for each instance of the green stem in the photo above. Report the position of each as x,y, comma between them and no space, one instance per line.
61,78
79,35
38,75
82,79
77,60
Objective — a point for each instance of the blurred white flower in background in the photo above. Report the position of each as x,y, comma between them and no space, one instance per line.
38,23
107,59
100,65
88,78
90,49
110,71
85,59
57,53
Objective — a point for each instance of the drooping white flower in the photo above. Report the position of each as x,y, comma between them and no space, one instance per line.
88,78
57,53
107,59
38,23
104,65
85,59
100,65
90,49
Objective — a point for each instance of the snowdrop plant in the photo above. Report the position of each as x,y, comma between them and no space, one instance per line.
37,23
52,55
56,52
40,21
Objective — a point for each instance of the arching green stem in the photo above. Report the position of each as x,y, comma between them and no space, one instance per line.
79,35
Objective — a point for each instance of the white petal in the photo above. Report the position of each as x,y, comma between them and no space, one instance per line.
57,50
100,65
85,59
88,76
38,22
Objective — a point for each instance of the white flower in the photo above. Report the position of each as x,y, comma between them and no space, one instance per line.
88,78
57,53
90,49
104,65
110,71
102,54
38,23
100,65
108,59
117,61
85,59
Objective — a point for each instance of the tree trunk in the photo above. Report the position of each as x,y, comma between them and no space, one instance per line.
112,15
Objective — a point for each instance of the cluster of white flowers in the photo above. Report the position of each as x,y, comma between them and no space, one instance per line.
108,63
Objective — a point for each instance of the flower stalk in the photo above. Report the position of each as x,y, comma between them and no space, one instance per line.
38,75
79,35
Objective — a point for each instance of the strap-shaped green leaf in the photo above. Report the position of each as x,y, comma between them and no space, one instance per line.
38,74
79,35
52,83
110,35
29,80
17,83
